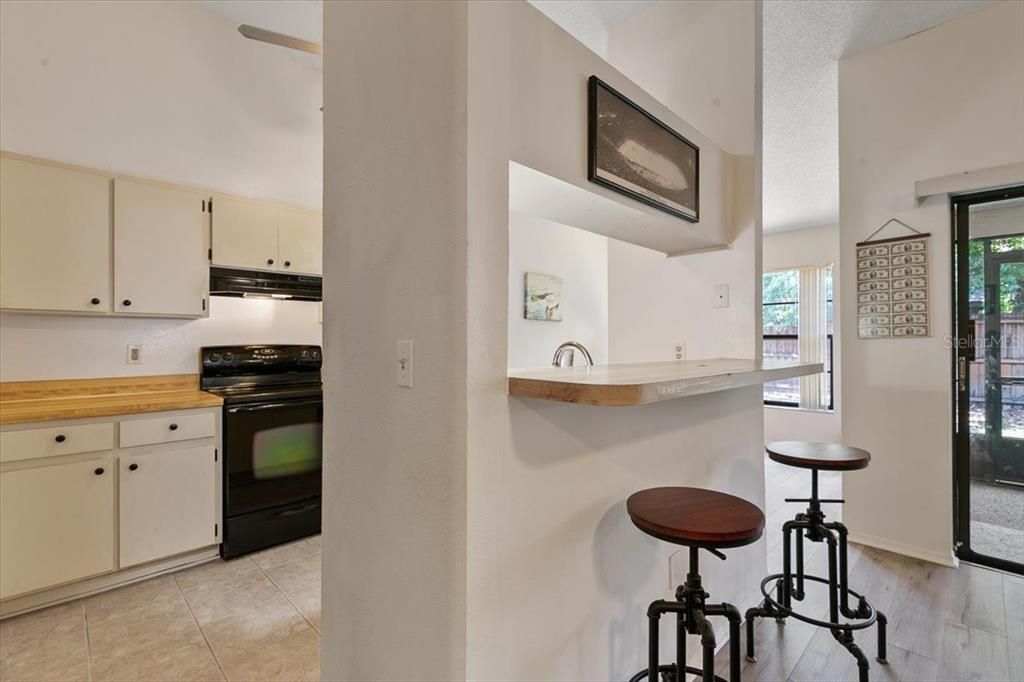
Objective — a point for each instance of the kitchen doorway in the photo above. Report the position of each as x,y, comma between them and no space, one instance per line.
989,377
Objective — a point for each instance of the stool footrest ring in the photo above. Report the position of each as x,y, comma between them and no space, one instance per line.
867,622
670,669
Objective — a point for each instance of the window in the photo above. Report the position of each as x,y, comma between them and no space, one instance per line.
782,331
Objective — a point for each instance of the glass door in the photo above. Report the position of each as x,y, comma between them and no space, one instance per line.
989,314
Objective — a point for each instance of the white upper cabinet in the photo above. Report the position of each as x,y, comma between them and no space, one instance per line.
55,231
244,233
300,241
160,249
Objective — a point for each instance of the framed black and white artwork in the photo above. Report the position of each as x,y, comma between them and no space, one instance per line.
634,153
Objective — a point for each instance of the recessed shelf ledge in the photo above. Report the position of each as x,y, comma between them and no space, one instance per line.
650,382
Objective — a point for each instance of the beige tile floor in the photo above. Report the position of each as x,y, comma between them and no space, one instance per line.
254,618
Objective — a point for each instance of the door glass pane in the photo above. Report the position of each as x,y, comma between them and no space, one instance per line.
996,379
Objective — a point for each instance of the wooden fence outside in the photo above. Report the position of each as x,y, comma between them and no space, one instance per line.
1012,346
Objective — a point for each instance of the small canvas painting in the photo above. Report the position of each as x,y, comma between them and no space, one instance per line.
543,299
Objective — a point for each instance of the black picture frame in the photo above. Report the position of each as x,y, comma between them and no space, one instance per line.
608,177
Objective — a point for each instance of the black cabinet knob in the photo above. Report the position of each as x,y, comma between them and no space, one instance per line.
287,263
270,261
173,427
95,301
133,467
98,471
60,438
126,302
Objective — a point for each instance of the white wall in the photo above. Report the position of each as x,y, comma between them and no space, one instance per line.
458,520
395,240
698,59
58,347
162,89
941,102
166,90
789,250
580,258
553,564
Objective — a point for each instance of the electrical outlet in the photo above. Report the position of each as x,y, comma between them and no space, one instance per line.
721,295
134,354
405,364
680,351
678,566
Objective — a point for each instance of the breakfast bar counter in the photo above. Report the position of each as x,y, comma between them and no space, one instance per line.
650,382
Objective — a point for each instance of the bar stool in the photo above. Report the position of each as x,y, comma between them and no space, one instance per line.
811,525
698,519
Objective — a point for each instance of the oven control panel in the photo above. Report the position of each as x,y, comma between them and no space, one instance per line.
226,360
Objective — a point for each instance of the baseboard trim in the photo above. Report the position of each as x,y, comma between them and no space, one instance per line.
52,596
906,550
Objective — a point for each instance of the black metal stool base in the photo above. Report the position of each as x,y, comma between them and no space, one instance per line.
668,674
789,585
692,613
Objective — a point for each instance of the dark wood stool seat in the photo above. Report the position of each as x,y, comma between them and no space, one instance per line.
822,456
696,517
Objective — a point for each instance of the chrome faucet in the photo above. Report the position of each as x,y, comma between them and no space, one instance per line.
568,349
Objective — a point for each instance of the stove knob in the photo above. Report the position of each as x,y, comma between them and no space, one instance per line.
215,357
228,357
316,355
304,354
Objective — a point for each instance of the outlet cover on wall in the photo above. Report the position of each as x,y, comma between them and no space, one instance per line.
721,295
678,566
134,354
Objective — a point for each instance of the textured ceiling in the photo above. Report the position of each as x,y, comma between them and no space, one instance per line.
802,43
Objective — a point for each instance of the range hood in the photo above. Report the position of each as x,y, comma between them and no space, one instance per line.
261,284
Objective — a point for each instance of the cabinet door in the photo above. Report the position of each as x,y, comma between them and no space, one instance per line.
160,244
300,241
244,234
54,237
168,503
56,524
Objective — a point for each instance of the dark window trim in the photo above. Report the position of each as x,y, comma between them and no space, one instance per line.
828,372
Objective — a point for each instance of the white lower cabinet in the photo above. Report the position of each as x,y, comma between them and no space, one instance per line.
56,524
168,502
80,501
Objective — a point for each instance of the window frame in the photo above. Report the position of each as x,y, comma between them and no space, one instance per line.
830,364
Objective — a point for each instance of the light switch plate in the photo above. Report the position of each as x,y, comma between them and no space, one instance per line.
404,364
721,295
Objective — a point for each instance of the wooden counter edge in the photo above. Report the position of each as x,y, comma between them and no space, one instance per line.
627,395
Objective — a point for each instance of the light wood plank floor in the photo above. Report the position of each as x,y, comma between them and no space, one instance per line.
944,624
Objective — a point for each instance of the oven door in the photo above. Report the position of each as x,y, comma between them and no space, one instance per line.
273,454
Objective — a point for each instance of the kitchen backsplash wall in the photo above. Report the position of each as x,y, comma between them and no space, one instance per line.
36,347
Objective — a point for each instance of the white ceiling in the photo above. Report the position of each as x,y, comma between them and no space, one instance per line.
802,43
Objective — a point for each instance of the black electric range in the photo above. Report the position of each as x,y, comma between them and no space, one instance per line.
272,442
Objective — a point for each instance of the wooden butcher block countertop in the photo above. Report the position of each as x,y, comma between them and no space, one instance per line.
38,401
